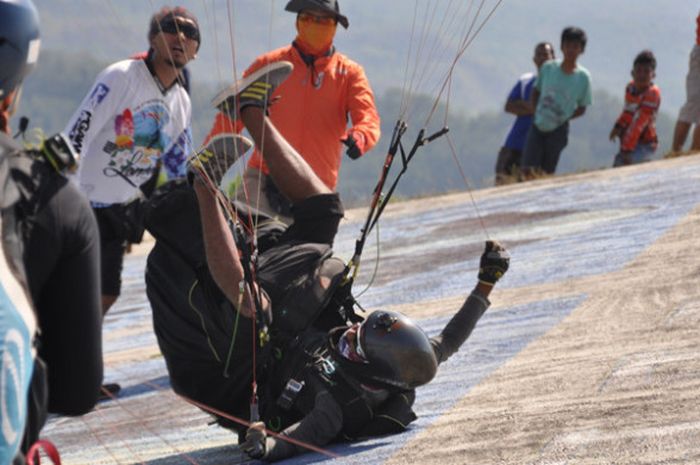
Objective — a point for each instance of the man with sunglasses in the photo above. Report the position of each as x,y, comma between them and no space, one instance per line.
325,90
135,119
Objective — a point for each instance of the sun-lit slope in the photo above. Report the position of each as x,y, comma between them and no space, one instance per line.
617,380
588,354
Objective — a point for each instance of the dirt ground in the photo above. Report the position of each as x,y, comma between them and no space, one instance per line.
618,381
615,381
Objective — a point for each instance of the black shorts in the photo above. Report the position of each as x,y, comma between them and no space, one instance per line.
287,271
112,249
316,220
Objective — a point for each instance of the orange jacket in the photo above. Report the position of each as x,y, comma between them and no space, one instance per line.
638,118
313,109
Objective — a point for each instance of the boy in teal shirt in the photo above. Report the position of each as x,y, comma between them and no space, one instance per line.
562,92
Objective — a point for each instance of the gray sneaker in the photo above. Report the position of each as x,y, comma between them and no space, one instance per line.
222,151
255,89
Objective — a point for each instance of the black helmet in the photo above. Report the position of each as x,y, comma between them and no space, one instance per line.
295,6
397,353
19,43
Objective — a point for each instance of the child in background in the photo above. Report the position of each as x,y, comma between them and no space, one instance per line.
562,92
636,126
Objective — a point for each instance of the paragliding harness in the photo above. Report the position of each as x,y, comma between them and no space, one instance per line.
360,419
310,364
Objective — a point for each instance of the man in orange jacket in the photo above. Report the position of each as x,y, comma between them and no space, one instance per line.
324,89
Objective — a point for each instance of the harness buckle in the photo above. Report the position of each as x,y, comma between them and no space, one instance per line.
289,394
327,366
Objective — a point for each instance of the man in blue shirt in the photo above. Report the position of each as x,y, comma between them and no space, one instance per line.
518,103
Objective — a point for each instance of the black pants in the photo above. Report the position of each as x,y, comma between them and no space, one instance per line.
63,270
542,149
507,164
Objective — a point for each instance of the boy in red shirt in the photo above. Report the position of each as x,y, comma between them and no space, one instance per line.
636,126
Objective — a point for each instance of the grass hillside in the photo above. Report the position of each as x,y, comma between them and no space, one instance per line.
81,37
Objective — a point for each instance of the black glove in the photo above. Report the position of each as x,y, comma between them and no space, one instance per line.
254,444
353,151
494,263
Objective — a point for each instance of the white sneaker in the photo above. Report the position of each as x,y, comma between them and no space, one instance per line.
255,89
222,151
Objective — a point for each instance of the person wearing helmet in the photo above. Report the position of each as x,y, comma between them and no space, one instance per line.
352,381
49,264
359,381
134,120
325,90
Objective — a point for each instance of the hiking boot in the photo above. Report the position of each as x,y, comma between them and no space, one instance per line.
255,89
222,151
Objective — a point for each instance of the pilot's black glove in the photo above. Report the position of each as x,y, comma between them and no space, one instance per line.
254,444
494,263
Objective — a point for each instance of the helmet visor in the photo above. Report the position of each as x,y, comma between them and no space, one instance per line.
349,345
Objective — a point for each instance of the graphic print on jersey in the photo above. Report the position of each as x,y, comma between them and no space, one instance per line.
139,140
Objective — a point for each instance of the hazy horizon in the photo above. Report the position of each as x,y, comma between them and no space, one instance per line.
380,34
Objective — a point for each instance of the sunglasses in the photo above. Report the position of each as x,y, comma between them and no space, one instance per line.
171,26
312,18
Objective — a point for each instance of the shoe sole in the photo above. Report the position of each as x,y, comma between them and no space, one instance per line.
273,74
225,148
229,144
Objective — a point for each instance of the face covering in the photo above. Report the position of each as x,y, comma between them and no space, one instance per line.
315,38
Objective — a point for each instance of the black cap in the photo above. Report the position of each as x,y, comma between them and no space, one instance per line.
331,6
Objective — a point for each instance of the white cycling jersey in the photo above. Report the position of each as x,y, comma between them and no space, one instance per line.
125,124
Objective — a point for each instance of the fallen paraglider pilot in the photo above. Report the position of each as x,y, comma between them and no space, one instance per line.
319,374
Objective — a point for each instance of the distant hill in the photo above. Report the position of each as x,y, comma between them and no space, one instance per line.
49,102
380,35
80,37
476,140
